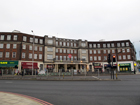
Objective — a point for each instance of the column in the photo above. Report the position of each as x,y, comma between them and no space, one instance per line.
76,66
65,66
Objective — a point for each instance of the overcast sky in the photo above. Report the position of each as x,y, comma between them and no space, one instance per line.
90,20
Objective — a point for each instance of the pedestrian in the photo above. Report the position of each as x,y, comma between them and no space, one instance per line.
22,73
0,73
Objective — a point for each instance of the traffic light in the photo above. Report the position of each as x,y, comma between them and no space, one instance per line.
108,58
114,58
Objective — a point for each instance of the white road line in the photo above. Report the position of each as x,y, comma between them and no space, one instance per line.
8,82
95,77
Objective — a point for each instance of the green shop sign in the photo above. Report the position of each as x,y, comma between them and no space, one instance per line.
8,63
125,64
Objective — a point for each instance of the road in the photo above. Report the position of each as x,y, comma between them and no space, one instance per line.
124,92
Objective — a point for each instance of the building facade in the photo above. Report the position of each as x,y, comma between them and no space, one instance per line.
53,54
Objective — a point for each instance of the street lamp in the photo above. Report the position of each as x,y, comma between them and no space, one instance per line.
33,51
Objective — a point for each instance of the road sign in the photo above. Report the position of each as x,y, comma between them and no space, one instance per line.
69,55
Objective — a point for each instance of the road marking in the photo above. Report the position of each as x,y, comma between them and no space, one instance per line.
8,82
95,77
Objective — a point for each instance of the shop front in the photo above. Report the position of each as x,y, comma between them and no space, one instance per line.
9,67
29,67
97,66
125,67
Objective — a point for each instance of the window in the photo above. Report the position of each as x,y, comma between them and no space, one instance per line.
128,50
99,58
30,55
75,58
36,40
56,50
24,38
68,44
50,49
23,55
30,47
83,44
68,58
8,46
90,45
50,41
14,46
60,50
56,43
56,57
119,50
68,51
7,54
35,56
40,48
31,39
41,42
2,37
94,45
40,56
123,50
35,48
128,56
104,51
113,51
120,57
90,58
90,51
105,58
60,43
75,51
95,58
99,51
104,45
15,37
108,51
14,55
84,57
71,51
94,51
108,45
74,44
71,44
1,54
83,51
23,46
64,50
127,43
72,58
98,45
49,56
122,44
118,44
124,57
64,43
1,45
112,44
65,58
8,37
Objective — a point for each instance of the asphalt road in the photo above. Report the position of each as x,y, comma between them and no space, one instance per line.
124,92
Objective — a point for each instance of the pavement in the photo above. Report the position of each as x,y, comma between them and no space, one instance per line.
8,98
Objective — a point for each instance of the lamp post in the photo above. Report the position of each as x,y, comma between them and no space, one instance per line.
33,51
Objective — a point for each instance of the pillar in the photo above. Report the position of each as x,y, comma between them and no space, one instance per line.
76,66
65,66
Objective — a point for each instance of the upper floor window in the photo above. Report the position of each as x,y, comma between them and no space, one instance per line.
95,58
30,55
99,51
7,54
128,50
14,55
56,57
127,43
94,51
84,57
104,45
108,45
60,50
90,51
49,49
64,50
56,50
128,56
60,43
35,56
74,44
64,43
15,37
36,40
23,55
49,56
1,45
104,51
112,44
40,48
30,47
90,45
124,57
83,51
8,46
2,37
60,57
123,50
23,46
105,58
35,48
68,51
94,45
108,51
98,45
99,58
75,51
8,37
56,43
119,50
71,44
24,38
71,51
120,57
31,39
91,58
40,56
75,58
50,41
41,41
122,44
118,44
1,54
83,44
68,44
113,51
14,46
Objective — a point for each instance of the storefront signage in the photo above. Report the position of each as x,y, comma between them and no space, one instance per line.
28,64
8,63
125,64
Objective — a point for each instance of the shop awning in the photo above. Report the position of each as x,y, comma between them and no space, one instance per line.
29,67
96,67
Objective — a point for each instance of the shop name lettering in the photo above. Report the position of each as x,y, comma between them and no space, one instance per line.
3,62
